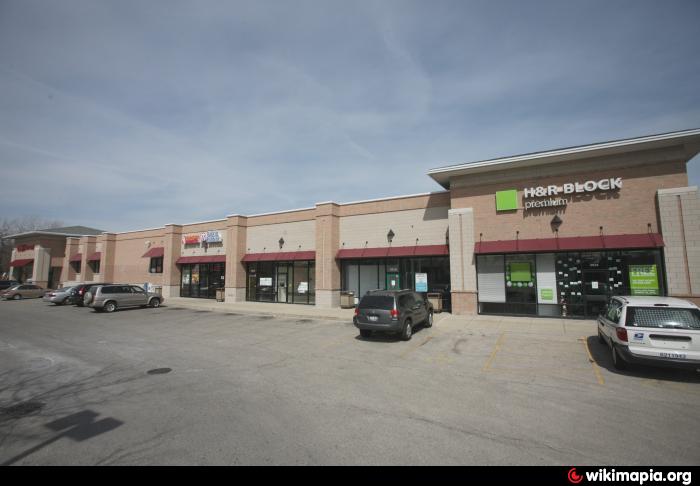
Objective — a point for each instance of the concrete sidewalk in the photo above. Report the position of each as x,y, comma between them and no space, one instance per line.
262,308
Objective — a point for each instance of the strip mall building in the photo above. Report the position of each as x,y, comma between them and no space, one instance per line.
551,233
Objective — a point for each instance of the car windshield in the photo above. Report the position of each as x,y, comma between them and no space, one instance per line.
377,302
663,317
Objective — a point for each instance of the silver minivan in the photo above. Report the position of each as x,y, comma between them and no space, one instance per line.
112,297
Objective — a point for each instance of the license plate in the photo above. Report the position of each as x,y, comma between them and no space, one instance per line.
373,318
673,355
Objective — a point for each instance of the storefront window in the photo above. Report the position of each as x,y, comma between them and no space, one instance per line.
202,279
283,282
575,284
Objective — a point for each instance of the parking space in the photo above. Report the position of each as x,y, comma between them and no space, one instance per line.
260,389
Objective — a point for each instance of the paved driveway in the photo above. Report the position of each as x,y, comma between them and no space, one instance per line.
75,388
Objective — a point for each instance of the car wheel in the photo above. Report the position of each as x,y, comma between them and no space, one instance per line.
155,303
407,330
600,337
16,297
110,306
429,320
618,362
365,333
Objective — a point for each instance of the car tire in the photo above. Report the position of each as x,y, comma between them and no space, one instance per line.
365,333
16,297
110,306
429,320
618,362
155,303
407,330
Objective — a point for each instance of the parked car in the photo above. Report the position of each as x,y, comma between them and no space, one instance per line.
82,289
23,291
62,296
6,284
396,311
660,331
111,297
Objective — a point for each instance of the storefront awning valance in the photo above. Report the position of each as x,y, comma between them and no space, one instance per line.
76,258
21,262
575,243
202,259
95,257
282,256
394,251
155,252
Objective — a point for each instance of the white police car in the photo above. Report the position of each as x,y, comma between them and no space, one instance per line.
660,331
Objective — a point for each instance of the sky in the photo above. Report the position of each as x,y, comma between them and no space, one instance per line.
123,115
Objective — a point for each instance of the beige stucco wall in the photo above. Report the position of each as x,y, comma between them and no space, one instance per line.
298,236
425,226
129,264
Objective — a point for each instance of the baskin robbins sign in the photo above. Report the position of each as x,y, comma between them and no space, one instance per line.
204,237
549,196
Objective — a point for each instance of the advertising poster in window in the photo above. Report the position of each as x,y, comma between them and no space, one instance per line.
644,280
421,282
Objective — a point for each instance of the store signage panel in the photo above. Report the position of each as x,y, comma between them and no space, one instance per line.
508,200
644,280
204,237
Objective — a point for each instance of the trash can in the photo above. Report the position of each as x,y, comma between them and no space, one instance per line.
435,298
220,295
347,300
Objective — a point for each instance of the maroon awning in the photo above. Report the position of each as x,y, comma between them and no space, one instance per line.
394,251
95,257
155,252
573,243
202,259
279,256
20,262
77,257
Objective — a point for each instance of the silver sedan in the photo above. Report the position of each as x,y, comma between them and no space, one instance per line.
60,296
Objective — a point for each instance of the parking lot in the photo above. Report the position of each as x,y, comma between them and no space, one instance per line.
183,386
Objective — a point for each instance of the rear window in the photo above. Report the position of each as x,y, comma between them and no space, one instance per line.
377,302
663,317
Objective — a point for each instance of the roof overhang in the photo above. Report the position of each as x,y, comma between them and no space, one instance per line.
41,233
688,139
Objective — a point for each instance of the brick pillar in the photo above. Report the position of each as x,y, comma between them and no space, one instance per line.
172,250
72,247
327,244
89,244
236,241
109,243
462,263
42,264
679,214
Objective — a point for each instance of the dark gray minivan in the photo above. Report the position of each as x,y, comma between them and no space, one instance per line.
392,311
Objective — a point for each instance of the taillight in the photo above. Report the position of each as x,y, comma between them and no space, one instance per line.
357,311
621,334
394,314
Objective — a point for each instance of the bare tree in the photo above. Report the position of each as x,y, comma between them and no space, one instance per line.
19,225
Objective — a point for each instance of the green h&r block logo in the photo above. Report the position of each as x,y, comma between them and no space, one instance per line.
507,200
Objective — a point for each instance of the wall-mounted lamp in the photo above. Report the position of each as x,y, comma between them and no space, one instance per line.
555,223
281,242
390,235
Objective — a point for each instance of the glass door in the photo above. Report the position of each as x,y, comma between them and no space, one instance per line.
596,291
393,282
282,283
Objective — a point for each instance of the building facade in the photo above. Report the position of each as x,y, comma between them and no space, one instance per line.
552,233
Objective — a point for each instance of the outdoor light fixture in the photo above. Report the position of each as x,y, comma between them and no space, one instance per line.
281,242
390,236
555,223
